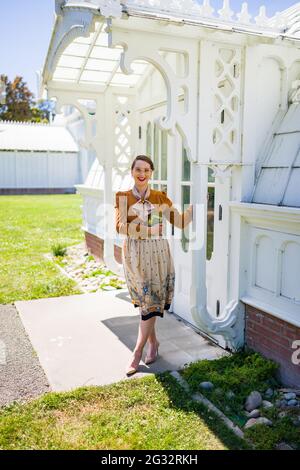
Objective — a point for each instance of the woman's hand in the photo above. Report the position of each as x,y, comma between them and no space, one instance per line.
190,209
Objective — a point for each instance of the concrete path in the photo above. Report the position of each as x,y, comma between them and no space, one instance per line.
88,339
21,375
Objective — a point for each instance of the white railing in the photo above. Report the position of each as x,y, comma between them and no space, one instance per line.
193,8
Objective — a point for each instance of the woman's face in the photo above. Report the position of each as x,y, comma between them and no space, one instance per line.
141,173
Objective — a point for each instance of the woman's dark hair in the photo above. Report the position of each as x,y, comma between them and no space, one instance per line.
144,158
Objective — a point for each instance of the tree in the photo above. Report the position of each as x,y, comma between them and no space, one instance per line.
18,102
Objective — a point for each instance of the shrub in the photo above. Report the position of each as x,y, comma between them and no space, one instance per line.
59,250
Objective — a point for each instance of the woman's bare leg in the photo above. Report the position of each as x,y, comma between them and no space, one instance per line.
152,339
146,330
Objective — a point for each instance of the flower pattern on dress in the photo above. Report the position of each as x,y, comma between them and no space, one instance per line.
150,275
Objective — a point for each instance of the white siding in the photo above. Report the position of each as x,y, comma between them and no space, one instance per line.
38,170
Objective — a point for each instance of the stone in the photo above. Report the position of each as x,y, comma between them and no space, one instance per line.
254,414
230,394
283,446
269,393
263,420
290,390
267,404
296,422
290,396
253,422
283,403
282,414
278,403
254,400
292,403
207,385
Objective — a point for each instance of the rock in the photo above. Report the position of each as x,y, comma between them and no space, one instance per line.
283,446
278,403
296,422
253,422
253,401
230,394
267,404
292,403
269,393
282,414
290,390
290,396
283,403
254,414
263,420
207,385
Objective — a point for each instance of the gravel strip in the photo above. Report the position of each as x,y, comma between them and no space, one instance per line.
21,375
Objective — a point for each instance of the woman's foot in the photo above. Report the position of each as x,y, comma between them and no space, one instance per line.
134,364
153,353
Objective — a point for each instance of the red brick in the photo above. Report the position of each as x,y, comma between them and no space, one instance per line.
95,246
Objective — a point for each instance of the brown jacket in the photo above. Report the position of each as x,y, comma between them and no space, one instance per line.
163,205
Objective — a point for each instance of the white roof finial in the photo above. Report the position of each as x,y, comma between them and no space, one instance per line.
244,16
225,12
280,22
261,19
207,10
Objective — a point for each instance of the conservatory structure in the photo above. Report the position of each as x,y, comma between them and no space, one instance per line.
213,97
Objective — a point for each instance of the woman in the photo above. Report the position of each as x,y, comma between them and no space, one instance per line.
147,260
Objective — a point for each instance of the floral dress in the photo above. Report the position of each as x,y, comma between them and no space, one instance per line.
148,265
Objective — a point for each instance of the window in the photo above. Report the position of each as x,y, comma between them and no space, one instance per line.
157,149
185,192
210,214
149,139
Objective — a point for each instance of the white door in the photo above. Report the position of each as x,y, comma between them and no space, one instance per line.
173,175
181,197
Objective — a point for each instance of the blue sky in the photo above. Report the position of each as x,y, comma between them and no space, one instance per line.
26,27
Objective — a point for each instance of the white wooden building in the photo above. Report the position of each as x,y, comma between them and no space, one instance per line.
37,159
213,98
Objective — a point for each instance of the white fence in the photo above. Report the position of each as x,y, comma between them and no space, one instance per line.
39,169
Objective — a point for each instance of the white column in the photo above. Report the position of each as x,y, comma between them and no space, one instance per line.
107,130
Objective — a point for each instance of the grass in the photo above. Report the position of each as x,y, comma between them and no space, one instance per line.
242,373
29,226
59,250
149,413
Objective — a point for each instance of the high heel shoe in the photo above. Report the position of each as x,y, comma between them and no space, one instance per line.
132,368
151,359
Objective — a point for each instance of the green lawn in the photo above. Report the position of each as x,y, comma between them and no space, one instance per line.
29,225
149,413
